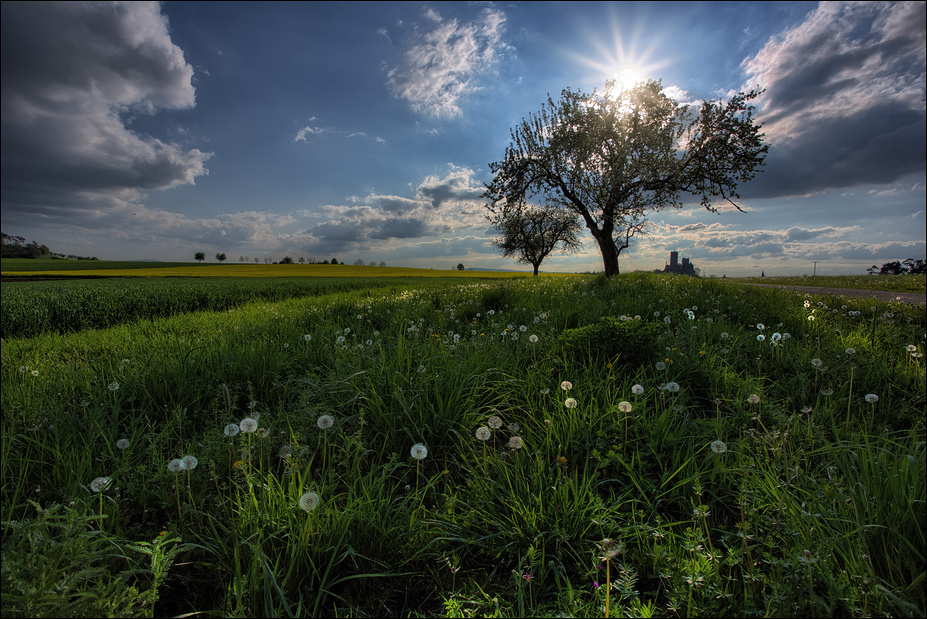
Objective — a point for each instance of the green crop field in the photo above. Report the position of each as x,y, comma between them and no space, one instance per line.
458,446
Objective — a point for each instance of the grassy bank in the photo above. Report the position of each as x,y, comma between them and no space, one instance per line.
478,448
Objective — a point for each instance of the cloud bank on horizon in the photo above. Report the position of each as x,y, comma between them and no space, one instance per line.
148,131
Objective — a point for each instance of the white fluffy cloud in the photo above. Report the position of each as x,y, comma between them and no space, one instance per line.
441,64
74,74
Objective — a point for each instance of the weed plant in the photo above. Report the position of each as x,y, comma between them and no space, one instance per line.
473,449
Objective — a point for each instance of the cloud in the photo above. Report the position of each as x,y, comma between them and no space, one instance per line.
73,77
304,134
441,65
844,104
439,206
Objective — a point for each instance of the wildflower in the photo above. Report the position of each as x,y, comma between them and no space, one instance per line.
545,391
667,319
190,462
232,429
672,387
817,362
566,385
725,335
760,338
309,501
175,466
419,451
100,483
34,372
660,366
760,326
495,422
516,442
753,399
872,398
776,337
637,389
719,447
248,425
514,427
307,337
325,422
122,443
22,369
911,348
113,386
483,433
571,403
624,407
850,351
533,339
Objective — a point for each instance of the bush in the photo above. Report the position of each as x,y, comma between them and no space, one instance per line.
624,341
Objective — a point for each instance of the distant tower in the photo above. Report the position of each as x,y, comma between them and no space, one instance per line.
674,259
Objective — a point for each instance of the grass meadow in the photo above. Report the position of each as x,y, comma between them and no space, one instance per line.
575,446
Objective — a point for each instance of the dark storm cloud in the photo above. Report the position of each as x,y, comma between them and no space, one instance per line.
844,104
72,74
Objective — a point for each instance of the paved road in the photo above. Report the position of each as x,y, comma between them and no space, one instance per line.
898,297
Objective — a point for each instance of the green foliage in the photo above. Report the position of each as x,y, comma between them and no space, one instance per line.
724,442
61,565
622,340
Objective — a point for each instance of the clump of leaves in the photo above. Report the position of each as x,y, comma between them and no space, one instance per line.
623,341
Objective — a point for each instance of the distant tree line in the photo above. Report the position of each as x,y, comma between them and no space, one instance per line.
200,256
906,267
16,247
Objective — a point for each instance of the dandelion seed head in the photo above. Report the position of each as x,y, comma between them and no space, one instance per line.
325,422
34,372
248,425
495,422
483,433
624,407
516,442
872,398
719,447
113,386
753,399
760,326
307,337
660,366
231,430
817,362
175,466
419,451
725,335
122,443
850,351
672,387
571,403
566,385
190,462
533,339
309,501
637,390
100,483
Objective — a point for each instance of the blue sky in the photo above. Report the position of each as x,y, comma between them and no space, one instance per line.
364,131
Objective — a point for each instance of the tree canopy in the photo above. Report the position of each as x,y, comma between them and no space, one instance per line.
612,157
531,234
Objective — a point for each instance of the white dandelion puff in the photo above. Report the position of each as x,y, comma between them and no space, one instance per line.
100,483
571,403
719,447
637,390
419,451
309,501
325,422
248,425
483,433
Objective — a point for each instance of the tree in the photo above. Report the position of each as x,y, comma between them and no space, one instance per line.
460,267
287,260
221,257
614,157
199,256
530,234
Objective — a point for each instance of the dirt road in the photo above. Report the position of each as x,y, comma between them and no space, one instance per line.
881,295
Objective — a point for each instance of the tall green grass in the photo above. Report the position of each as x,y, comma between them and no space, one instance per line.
725,441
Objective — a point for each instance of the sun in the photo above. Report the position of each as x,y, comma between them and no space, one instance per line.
628,77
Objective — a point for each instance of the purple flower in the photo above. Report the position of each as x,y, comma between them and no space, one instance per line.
595,583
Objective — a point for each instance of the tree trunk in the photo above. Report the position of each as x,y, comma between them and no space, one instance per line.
609,254
536,266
